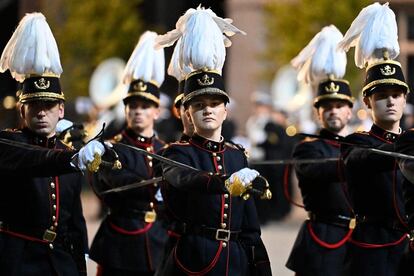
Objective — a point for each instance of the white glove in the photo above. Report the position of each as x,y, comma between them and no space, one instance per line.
89,156
238,182
63,125
158,196
246,176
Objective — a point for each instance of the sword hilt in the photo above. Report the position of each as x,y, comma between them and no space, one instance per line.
264,194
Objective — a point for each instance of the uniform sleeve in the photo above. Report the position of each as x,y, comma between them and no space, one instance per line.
190,180
252,243
327,171
405,145
358,157
35,161
78,231
131,171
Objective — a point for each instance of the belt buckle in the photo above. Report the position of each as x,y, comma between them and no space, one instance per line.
150,216
226,238
352,223
49,235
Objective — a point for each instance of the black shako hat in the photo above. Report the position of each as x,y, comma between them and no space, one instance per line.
333,89
384,73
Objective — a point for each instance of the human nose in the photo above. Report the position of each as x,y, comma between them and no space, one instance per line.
207,109
390,101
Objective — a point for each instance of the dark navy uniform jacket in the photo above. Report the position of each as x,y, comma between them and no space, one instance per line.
124,240
324,197
40,196
218,234
375,187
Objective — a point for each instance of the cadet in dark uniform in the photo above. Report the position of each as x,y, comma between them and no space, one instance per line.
405,145
131,237
374,181
218,231
42,228
320,247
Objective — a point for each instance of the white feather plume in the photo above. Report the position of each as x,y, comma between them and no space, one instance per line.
202,44
146,63
321,57
174,68
32,49
224,24
373,32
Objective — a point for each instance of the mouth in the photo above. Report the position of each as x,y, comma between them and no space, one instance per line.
391,111
41,124
208,119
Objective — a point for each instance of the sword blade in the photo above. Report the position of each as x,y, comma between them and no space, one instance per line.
294,161
392,154
159,157
133,185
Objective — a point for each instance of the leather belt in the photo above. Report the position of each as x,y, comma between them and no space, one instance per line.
147,216
46,235
208,232
393,224
337,220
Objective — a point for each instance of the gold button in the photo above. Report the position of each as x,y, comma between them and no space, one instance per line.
152,204
225,216
226,206
223,225
214,154
54,207
150,163
53,218
53,196
226,195
55,224
52,228
218,158
52,185
224,244
155,184
148,149
210,173
142,140
219,167
149,157
50,245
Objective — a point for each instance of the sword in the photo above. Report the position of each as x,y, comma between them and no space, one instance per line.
294,161
133,185
160,158
264,194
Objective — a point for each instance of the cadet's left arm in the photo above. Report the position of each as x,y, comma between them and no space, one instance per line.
191,180
78,234
252,243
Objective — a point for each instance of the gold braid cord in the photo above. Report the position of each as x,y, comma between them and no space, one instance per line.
235,188
94,165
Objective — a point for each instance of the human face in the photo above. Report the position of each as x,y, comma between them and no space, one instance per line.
140,116
42,116
387,105
334,115
207,114
188,127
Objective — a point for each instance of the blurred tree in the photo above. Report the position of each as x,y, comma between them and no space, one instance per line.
87,32
292,24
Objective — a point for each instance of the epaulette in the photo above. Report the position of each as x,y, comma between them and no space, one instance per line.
233,145
14,130
68,145
179,143
309,139
362,132
116,139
